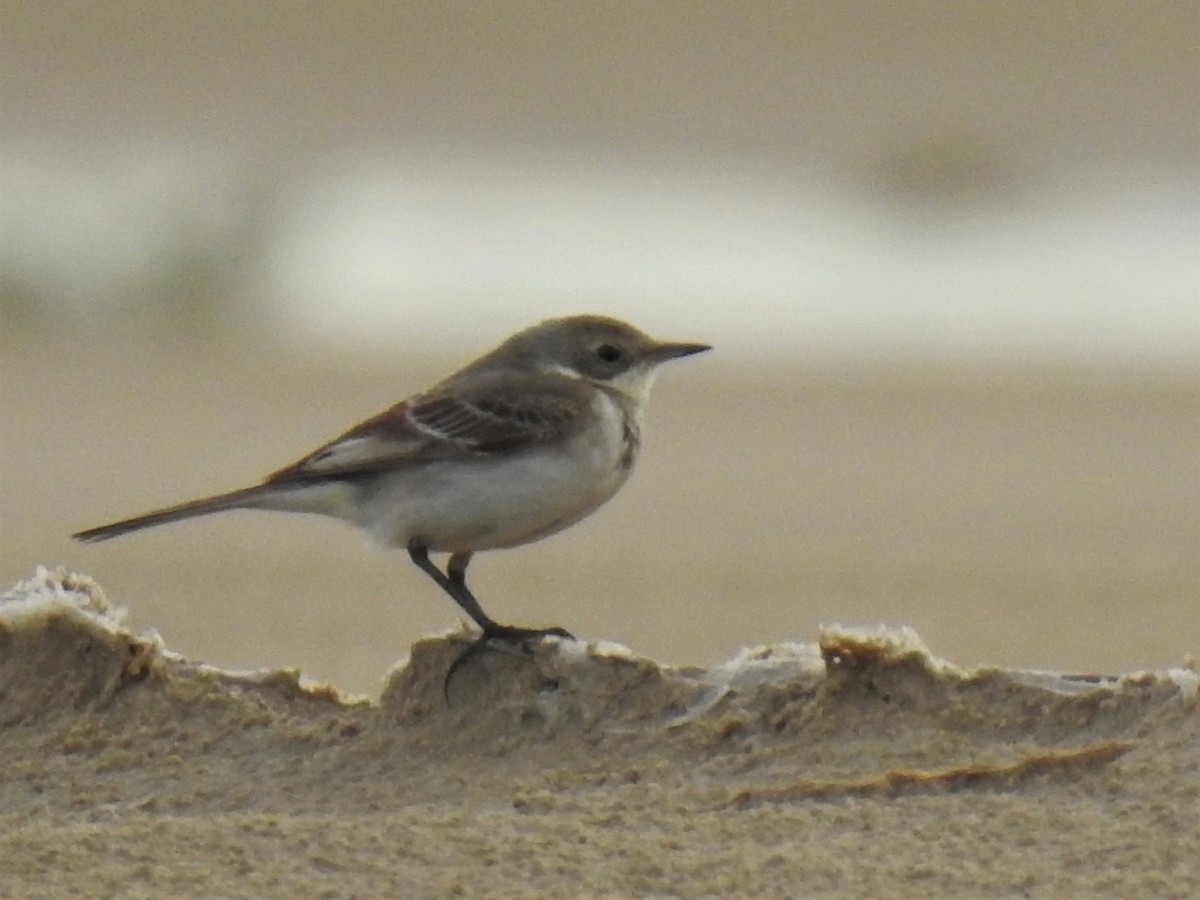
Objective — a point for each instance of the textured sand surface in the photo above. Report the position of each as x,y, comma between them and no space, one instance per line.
859,766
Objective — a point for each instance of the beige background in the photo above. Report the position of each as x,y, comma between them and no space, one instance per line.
813,179
1014,473
1022,493
946,253
1046,520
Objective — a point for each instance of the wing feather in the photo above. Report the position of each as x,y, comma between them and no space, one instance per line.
481,417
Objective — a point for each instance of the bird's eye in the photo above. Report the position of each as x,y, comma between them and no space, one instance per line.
608,353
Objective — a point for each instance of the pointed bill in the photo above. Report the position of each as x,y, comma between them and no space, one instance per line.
667,351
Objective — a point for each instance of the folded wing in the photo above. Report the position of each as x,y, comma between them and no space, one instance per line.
501,414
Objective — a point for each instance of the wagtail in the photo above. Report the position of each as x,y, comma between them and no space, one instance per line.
519,444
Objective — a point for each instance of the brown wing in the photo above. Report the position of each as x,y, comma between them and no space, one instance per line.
490,415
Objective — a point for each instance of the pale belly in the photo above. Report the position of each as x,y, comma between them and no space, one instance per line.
492,502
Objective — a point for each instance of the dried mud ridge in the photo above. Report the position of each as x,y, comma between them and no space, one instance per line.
91,714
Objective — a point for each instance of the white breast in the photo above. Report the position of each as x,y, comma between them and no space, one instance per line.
502,501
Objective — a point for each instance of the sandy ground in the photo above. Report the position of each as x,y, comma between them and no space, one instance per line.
861,766
1013,519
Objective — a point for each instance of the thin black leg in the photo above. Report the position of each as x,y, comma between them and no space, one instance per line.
454,582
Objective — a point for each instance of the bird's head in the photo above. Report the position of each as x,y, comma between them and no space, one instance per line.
604,351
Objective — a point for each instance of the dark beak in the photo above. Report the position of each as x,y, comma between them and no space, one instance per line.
663,352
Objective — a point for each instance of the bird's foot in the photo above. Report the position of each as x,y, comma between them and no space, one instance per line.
506,638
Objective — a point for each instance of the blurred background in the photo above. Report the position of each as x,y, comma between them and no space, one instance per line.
949,255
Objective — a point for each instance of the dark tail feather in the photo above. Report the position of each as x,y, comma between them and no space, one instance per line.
190,510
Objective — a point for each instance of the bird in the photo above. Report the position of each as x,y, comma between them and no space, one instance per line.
521,443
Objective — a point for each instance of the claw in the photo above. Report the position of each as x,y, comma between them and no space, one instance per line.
521,637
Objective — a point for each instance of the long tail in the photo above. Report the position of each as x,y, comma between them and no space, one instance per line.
205,506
